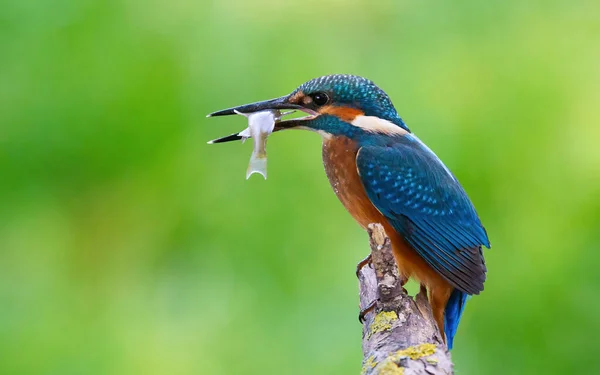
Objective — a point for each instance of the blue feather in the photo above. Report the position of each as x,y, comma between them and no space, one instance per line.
425,203
452,313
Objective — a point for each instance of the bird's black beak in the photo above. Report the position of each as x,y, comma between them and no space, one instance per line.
278,103
282,103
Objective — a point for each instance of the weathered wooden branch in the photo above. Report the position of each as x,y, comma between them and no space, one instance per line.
399,334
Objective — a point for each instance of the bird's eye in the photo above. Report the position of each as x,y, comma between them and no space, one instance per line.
320,98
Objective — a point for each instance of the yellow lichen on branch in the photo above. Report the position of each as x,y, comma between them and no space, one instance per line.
369,364
416,352
391,365
383,322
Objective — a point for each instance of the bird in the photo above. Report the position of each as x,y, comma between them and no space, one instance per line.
383,173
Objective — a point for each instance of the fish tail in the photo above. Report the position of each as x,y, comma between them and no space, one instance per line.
258,164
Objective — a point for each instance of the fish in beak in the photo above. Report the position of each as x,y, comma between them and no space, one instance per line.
279,104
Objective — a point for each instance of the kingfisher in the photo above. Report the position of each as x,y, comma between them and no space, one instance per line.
382,173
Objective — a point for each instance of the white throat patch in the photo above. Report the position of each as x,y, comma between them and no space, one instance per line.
375,124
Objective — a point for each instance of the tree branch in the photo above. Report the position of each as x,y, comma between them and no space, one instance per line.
399,335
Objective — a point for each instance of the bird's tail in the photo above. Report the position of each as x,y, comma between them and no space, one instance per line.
454,309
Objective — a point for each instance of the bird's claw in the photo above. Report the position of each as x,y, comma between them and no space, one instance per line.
365,311
363,263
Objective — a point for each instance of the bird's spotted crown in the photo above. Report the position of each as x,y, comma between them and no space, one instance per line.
356,92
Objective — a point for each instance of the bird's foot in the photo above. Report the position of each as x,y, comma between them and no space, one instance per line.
366,310
363,263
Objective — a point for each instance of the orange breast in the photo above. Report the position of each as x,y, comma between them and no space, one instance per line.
339,158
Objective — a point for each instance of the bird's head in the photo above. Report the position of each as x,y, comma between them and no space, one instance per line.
336,104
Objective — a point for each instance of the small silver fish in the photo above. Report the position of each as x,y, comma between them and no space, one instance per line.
260,126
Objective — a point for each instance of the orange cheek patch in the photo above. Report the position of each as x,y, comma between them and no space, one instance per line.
344,113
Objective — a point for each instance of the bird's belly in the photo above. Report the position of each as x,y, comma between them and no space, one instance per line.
339,159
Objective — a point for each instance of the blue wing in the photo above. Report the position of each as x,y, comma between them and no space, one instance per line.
425,203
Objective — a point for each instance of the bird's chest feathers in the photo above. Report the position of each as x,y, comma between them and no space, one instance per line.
339,159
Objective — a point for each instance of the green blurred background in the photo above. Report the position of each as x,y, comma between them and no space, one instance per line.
130,246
